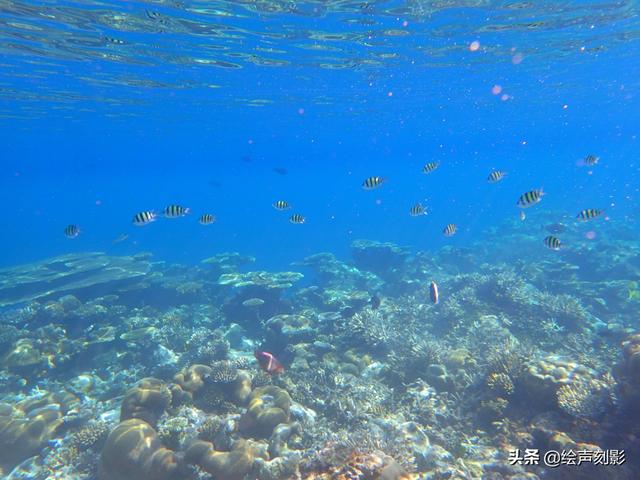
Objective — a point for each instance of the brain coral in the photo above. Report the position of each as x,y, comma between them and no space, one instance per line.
22,435
192,378
134,451
233,465
268,407
544,377
147,401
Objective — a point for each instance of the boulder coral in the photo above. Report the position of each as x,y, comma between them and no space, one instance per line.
23,433
628,373
544,377
147,401
134,451
232,465
192,378
22,354
268,407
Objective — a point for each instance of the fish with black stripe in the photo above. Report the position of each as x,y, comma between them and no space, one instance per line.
71,231
530,198
553,243
430,167
372,183
175,211
207,219
297,219
589,214
589,161
496,176
143,218
450,230
281,205
417,210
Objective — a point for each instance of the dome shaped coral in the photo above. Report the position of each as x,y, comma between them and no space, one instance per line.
147,401
134,451
268,407
233,465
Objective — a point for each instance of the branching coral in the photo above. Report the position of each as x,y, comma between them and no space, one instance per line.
506,366
371,329
206,347
500,384
587,397
223,371
90,436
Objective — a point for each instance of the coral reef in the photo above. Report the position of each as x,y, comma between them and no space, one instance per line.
378,383
73,273
232,465
268,407
147,401
133,450
384,259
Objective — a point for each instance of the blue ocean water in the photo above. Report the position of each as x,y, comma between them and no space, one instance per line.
436,346
110,108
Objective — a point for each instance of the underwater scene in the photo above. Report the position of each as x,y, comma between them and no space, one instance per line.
320,239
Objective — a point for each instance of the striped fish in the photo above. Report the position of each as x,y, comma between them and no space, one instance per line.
589,214
530,198
297,219
591,160
430,167
552,242
143,218
372,183
71,231
496,176
207,219
174,211
417,210
281,205
450,230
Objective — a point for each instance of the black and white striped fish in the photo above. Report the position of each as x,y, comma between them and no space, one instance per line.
207,219
450,230
496,176
143,218
430,167
589,214
530,198
553,242
297,219
417,210
372,183
175,211
281,205
71,231
588,161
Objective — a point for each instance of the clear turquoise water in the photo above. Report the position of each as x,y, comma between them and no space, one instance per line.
109,108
